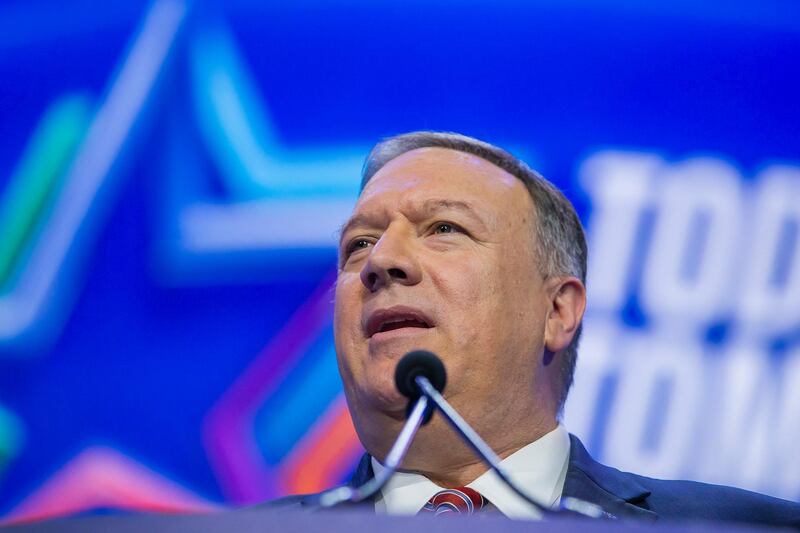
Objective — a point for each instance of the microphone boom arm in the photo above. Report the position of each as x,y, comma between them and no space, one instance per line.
572,506
395,456
480,447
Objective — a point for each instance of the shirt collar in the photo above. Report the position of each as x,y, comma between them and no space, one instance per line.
539,469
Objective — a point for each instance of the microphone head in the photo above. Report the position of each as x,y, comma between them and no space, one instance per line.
419,363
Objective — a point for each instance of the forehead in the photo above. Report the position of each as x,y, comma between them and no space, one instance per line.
420,174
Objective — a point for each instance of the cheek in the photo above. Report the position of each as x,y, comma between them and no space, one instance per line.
346,319
346,297
492,303
469,290
524,310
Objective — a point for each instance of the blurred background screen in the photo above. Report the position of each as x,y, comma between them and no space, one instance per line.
173,174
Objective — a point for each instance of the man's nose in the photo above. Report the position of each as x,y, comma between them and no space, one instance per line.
391,260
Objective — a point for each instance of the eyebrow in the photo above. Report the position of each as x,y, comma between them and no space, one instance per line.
429,208
434,205
358,220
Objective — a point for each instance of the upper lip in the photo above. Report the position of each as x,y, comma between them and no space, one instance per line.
378,318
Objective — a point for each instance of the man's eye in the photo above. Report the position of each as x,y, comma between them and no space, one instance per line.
358,244
444,227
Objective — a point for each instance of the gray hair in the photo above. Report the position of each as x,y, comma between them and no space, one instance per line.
560,240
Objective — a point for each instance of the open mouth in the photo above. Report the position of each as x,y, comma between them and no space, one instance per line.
385,320
402,323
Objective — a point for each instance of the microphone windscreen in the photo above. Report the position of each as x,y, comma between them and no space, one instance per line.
419,363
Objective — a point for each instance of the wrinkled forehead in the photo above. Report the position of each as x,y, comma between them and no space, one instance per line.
419,174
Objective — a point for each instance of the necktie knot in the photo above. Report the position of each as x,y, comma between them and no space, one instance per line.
460,500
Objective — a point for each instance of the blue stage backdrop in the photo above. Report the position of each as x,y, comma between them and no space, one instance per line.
172,176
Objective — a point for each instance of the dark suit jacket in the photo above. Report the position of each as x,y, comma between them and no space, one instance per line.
626,495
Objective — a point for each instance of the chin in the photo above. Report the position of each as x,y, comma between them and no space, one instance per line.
379,394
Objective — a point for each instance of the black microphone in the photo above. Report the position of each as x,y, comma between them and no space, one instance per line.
419,370
414,365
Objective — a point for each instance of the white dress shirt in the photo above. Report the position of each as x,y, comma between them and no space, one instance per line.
539,469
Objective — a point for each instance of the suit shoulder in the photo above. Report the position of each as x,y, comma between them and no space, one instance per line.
704,501
672,500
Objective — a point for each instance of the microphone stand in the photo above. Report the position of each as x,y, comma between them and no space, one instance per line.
414,421
485,452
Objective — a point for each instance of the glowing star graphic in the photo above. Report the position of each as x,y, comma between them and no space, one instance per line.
102,478
325,455
35,304
69,176
258,435
11,436
35,181
267,187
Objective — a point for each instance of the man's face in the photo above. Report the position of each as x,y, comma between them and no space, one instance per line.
439,255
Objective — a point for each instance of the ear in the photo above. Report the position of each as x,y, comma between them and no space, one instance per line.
567,304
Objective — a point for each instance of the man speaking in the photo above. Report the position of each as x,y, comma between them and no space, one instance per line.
457,247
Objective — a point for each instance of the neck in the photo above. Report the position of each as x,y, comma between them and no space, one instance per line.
441,455
460,475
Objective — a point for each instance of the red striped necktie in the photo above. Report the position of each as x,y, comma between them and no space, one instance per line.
460,500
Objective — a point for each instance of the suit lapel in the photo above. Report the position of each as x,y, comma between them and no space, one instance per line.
363,472
362,475
616,492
